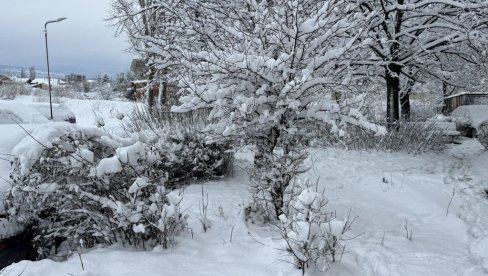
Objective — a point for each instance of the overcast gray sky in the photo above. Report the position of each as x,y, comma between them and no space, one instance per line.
84,42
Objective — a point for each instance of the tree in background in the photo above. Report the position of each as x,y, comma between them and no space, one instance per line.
22,73
140,18
32,73
414,39
103,79
120,83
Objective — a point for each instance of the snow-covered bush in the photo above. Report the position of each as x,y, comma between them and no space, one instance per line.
10,91
264,69
410,137
483,134
207,158
269,182
313,236
78,183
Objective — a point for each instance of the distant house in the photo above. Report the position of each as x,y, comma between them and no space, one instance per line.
5,80
466,98
40,85
74,78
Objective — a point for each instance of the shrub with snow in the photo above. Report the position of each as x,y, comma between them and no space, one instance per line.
410,137
314,237
269,182
483,134
10,91
200,156
78,183
273,68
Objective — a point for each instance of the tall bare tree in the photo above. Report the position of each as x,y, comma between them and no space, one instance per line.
410,39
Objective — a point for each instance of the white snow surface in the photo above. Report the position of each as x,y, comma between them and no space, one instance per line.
473,114
388,192
14,112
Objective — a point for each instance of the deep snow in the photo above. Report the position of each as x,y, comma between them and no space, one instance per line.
388,192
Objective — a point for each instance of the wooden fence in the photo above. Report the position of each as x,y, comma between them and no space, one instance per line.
452,102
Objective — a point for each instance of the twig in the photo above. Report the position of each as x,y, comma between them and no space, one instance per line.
450,201
28,133
249,233
3,178
231,232
409,235
79,255
5,159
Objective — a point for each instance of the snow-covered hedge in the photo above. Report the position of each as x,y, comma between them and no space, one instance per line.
74,183
410,137
10,91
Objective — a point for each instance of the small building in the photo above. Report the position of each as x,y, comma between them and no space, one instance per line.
465,98
74,78
40,85
4,80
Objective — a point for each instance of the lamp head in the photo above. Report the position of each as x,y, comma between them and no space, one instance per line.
60,19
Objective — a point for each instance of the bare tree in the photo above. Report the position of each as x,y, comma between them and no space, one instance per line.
409,39
32,73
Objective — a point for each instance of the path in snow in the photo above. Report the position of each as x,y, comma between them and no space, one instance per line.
389,190
468,175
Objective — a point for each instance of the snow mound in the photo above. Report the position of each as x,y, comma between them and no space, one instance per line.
473,114
14,112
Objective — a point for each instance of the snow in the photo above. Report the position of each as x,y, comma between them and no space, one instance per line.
139,228
473,114
108,166
466,93
131,154
14,112
60,112
138,184
29,150
389,193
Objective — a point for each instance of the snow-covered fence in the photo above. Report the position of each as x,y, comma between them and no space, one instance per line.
474,98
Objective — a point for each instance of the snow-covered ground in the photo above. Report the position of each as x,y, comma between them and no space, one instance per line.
390,193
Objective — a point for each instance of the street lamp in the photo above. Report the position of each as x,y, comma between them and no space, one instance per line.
47,57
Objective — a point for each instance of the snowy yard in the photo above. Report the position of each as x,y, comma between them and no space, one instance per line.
393,195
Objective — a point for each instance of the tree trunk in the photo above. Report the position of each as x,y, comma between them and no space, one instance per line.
163,99
392,94
405,101
264,173
405,106
150,87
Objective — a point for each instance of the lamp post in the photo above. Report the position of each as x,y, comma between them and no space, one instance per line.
47,57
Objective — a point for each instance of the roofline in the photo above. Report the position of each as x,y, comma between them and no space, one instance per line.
466,93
